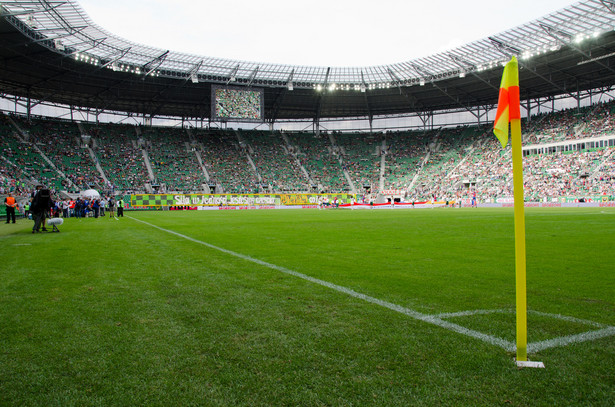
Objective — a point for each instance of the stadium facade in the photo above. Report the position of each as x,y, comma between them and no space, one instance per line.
54,54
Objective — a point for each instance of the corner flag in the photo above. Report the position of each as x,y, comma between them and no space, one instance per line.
509,101
509,111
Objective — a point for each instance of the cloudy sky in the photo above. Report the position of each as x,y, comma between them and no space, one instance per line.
315,32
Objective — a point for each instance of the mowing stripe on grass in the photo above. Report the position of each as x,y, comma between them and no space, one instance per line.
492,340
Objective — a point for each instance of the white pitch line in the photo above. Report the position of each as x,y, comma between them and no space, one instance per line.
431,319
567,340
569,319
470,313
534,347
473,312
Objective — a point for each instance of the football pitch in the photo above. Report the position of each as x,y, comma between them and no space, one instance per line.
308,308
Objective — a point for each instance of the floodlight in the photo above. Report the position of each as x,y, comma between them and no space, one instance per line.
290,86
422,82
318,88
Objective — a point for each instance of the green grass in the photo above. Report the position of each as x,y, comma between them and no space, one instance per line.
119,313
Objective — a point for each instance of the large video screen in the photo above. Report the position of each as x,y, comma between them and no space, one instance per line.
238,104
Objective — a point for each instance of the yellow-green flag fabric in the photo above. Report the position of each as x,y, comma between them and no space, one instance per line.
509,102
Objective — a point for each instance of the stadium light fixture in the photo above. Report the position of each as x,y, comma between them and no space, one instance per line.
332,87
290,86
422,82
462,74
318,87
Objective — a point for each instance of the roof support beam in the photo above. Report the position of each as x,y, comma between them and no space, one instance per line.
609,5
154,64
93,42
120,56
252,76
369,110
39,10
508,51
320,96
463,64
395,78
363,83
289,81
505,49
233,75
557,34
58,37
193,72
424,73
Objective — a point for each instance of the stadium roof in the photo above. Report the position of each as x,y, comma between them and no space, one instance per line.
51,51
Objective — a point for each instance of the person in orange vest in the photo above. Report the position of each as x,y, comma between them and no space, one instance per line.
10,203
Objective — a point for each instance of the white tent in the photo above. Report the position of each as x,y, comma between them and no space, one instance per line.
90,193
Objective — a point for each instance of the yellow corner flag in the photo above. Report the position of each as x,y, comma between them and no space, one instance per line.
509,102
509,111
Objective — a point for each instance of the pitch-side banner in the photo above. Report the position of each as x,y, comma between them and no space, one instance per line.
141,200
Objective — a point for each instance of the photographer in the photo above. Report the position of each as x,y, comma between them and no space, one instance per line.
40,205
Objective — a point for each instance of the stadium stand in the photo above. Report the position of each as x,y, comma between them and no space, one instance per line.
120,157
62,140
277,167
173,160
227,162
567,153
321,161
361,159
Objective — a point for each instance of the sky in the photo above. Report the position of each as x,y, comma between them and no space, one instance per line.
317,32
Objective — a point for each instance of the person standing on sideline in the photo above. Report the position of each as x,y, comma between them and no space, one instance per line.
111,203
96,207
120,208
10,203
